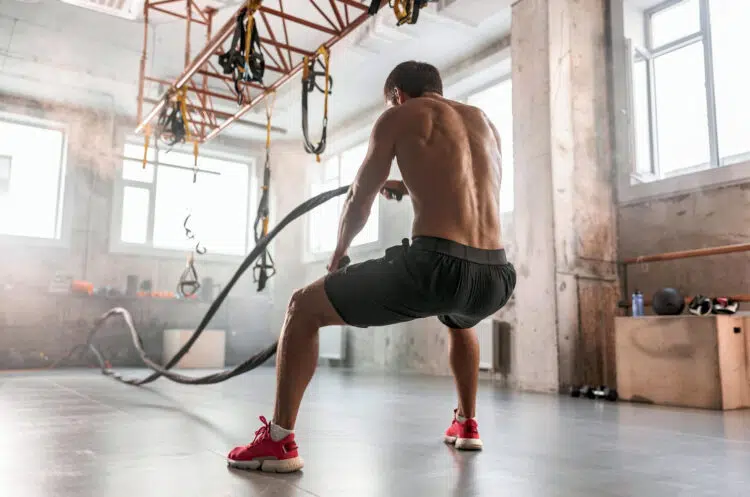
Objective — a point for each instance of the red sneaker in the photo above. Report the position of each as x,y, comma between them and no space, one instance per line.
265,454
465,436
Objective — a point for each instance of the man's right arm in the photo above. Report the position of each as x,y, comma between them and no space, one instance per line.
394,188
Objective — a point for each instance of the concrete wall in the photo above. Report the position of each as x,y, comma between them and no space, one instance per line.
31,321
707,218
565,209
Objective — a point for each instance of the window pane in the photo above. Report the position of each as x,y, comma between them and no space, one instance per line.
351,161
641,118
371,232
729,24
178,158
33,187
497,103
6,162
134,171
220,212
681,117
135,207
331,169
135,151
218,205
174,196
323,220
675,22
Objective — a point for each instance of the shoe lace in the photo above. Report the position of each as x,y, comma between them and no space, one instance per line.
263,432
471,427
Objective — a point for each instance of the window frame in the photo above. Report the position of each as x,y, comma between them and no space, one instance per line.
464,98
119,247
64,204
308,255
718,171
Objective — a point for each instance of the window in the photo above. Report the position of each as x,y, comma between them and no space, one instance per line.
497,103
32,172
157,199
689,99
339,170
729,20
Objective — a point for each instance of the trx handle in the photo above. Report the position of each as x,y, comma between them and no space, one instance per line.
189,284
309,83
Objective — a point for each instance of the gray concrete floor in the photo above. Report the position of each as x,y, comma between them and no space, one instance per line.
78,434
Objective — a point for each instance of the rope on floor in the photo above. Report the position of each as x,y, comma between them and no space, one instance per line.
159,370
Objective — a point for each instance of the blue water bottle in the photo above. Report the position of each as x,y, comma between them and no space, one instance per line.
637,304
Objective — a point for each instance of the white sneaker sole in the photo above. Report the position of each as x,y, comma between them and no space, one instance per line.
464,443
269,465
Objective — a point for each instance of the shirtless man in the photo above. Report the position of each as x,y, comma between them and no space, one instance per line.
454,267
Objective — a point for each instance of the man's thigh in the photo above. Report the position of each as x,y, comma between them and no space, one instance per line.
312,301
377,292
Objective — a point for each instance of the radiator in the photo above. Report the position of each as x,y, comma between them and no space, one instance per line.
487,344
332,343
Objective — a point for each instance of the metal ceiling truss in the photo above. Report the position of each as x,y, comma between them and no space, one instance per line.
202,82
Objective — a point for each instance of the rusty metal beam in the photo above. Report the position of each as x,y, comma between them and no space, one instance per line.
175,14
284,79
197,71
357,5
337,14
317,7
275,41
298,20
278,44
226,115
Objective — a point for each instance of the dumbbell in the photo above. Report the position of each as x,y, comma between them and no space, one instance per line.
603,392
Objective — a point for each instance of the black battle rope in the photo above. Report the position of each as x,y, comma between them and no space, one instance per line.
244,59
250,364
309,83
265,268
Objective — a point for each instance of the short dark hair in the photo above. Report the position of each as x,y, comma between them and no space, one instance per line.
413,78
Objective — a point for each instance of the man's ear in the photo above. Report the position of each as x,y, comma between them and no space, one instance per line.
401,97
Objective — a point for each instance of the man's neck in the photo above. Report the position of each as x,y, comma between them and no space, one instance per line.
432,94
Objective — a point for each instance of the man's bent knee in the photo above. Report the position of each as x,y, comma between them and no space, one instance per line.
311,303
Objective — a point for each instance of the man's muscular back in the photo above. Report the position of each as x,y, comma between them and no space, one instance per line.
449,157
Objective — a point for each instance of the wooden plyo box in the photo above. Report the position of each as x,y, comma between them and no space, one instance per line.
686,360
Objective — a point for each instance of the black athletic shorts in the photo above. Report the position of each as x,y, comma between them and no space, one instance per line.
460,285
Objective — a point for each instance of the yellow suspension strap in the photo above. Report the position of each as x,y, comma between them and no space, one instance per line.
309,83
264,268
145,145
244,59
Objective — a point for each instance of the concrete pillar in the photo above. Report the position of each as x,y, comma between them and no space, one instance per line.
565,215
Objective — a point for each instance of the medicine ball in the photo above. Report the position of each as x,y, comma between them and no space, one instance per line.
668,302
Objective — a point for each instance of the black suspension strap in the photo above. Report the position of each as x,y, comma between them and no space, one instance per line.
309,83
406,11
171,124
265,268
244,60
189,284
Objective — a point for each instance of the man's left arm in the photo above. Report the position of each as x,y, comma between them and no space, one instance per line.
370,179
